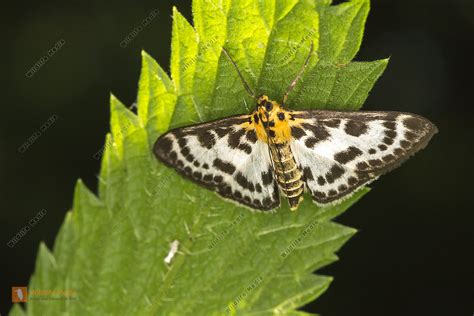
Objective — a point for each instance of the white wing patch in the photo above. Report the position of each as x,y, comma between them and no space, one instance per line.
339,152
225,157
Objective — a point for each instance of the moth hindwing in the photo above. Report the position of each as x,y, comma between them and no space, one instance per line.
253,158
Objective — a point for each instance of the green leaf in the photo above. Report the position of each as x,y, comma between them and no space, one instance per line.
156,97
342,30
110,250
184,47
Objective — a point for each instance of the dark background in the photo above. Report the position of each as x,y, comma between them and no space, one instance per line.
413,252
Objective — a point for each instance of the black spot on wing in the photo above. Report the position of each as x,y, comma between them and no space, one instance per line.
267,177
182,142
163,144
224,166
310,142
245,148
267,201
307,174
388,141
187,170
190,158
399,151
222,131
251,136
352,181
319,131
334,123
321,180
244,183
388,158
362,165
234,138
297,132
391,133
375,162
405,144
355,128
411,136
206,139
390,125
334,173
173,156
342,188
185,151
318,195
347,155
414,123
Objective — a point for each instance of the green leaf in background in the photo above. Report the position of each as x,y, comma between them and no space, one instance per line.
110,250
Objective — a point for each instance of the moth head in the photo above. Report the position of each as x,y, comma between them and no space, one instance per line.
265,106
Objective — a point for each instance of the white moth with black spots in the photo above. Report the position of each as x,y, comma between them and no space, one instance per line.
252,159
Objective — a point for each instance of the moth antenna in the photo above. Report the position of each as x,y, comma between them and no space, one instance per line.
246,85
299,75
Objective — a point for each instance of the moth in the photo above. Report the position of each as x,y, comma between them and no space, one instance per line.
253,158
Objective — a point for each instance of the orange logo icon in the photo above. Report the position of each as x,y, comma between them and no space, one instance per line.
19,294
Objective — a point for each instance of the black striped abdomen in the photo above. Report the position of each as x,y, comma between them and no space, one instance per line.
287,173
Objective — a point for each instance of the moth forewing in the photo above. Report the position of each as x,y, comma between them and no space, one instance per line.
224,156
341,151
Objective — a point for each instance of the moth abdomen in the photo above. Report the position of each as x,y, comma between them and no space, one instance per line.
287,173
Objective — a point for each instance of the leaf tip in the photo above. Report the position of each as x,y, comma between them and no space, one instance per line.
144,54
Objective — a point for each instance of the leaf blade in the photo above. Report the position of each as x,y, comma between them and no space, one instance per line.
144,206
